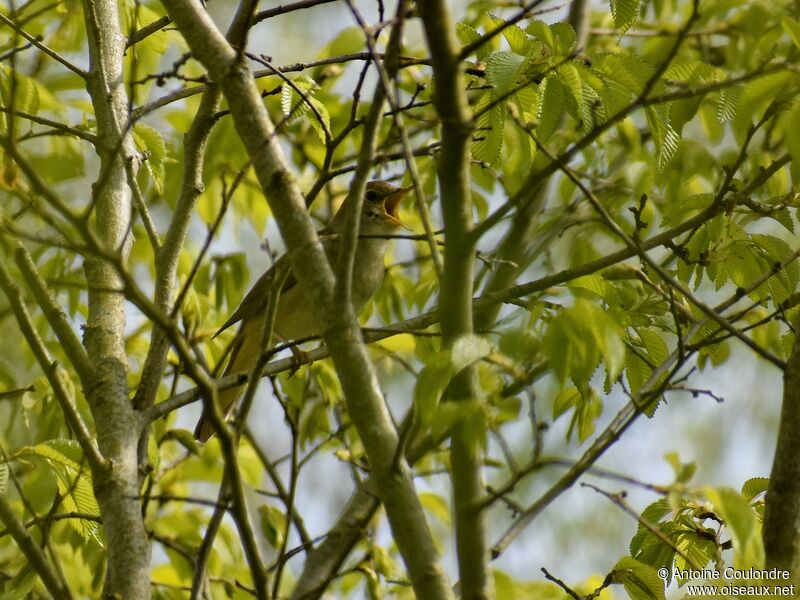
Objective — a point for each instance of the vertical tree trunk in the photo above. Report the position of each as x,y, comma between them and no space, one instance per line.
781,530
455,299
118,425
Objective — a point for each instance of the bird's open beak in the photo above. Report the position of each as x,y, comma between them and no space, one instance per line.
392,204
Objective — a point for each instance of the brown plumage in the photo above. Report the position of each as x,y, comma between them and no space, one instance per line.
295,317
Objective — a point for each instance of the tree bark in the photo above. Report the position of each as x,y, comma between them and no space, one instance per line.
455,298
117,423
781,531
394,484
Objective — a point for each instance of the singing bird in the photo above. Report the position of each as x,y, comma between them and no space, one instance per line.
296,318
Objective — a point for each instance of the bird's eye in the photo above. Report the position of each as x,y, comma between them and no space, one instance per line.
371,195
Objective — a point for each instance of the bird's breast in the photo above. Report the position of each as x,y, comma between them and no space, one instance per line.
368,269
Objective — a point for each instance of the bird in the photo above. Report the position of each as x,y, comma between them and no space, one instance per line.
295,316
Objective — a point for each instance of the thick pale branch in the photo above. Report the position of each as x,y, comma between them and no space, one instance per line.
457,284
362,392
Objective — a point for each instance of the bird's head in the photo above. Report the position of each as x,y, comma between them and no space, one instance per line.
381,203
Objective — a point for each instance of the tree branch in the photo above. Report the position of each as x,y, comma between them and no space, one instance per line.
455,296
362,392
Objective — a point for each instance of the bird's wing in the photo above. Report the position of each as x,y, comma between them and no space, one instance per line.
256,299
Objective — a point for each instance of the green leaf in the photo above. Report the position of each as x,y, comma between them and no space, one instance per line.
741,521
74,481
625,13
568,75
509,588
578,338
185,438
273,524
554,103
467,35
664,135
757,96
683,471
587,405
469,349
641,581
150,142
754,486
489,129
25,89
21,585
564,36
431,384
694,71
542,32
349,41
436,375
513,34
595,283
322,122
502,69
436,506
791,139
728,103
3,477
792,28
566,399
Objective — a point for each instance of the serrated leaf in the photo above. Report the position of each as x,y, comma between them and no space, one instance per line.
25,89
468,35
513,34
578,338
664,135
758,94
625,13
322,123
554,101
564,36
641,581
683,471
728,102
502,69
431,383
542,32
694,71
3,477
569,76
754,486
594,283
697,549
655,345
73,479
489,129
149,141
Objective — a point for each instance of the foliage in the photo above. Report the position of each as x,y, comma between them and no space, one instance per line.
640,191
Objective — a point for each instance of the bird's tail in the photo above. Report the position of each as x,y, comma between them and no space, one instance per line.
227,400
244,355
